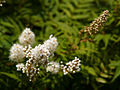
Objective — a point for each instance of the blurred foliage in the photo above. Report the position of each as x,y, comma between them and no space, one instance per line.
64,19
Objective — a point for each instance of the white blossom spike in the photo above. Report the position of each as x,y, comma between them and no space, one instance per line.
17,53
27,37
51,44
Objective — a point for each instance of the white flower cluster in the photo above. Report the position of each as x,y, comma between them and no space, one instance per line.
39,56
53,67
27,37
51,44
72,66
30,70
17,53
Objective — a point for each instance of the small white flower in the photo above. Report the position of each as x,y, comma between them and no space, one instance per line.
27,37
17,53
20,66
53,67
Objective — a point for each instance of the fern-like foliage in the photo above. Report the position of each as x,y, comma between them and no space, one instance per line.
64,19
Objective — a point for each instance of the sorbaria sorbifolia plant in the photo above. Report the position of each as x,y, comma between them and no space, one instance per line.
39,56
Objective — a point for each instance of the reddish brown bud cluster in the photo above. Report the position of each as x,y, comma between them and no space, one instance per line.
97,23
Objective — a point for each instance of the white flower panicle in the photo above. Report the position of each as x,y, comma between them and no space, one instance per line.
37,56
20,66
40,54
72,66
31,71
53,67
17,53
51,44
27,37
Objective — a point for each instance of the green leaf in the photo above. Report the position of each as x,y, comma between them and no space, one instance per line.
117,73
101,80
7,24
91,70
104,75
13,76
102,66
114,63
106,39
